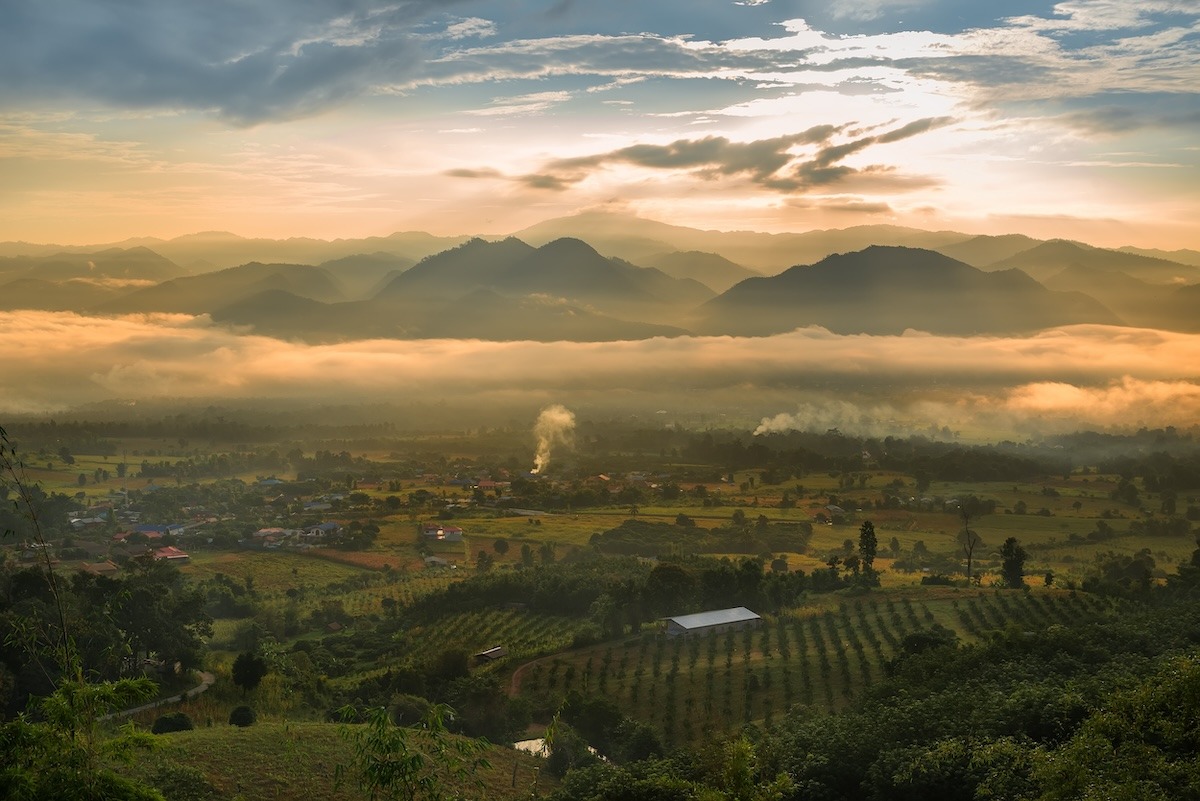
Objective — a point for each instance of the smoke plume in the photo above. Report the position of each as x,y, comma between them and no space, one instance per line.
554,426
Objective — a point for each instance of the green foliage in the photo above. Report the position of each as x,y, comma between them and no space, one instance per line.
248,671
66,754
242,716
172,721
394,762
1141,745
1012,565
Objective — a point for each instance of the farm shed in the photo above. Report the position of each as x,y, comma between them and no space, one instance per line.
710,622
491,654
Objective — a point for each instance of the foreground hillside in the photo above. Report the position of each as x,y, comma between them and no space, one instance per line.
293,761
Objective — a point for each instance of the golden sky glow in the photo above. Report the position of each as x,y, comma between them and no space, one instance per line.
1075,119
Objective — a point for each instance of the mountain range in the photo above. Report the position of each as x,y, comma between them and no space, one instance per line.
652,280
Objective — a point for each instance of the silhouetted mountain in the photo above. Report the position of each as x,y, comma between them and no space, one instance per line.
1049,258
711,269
565,268
204,293
122,264
485,314
481,314
1136,302
637,239
886,290
282,314
72,295
980,251
453,272
1191,257
364,275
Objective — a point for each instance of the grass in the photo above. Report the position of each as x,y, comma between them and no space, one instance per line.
297,761
270,571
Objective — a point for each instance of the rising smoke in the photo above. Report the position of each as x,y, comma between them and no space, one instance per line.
554,426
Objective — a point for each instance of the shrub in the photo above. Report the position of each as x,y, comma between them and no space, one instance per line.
172,721
242,716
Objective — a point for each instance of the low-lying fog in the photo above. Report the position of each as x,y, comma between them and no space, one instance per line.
1059,379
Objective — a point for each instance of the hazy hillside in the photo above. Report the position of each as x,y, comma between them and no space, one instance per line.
885,290
1191,257
71,295
364,275
711,269
980,251
638,239
123,264
565,268
1049,258
1137,302
203,293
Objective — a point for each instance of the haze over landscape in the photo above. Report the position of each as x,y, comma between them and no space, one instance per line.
688,400
631,152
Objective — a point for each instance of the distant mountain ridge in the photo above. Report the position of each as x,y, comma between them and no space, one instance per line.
887,290
568,287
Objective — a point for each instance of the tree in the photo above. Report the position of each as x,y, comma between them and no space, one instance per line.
248,670
868,544
484,561
63,751
500,546
242,716
969,541
1012,566
395,762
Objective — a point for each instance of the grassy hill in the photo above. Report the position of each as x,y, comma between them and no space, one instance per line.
286,761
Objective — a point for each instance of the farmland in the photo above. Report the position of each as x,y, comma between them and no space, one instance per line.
569,574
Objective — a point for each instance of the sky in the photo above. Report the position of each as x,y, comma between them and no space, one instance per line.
348,118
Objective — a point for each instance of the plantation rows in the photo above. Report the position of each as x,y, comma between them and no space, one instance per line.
365,601
690,687
524,634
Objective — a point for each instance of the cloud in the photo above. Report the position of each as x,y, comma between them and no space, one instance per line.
767,162
470,28
1064,377
245,62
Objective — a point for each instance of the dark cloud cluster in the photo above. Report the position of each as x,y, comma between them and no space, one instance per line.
246,62
766,162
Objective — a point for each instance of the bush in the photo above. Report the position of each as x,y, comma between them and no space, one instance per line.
172,721
242,716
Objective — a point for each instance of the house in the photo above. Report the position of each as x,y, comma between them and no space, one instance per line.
323,530
717,620
107,568
437,531
171,554
491,654
436,561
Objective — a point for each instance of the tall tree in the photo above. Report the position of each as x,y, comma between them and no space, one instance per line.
969,540
1012,565
868,545
248,671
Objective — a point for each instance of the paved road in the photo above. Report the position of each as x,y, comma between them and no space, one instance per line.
206,681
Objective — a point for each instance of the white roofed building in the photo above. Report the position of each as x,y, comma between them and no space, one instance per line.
714,621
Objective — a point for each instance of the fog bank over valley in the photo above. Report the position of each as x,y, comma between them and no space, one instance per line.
1058,379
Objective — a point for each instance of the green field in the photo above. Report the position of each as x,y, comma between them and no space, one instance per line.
819,655
269,761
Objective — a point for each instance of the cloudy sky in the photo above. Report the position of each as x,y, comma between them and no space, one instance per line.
340,118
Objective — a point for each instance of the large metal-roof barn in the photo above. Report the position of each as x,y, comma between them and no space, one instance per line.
716,620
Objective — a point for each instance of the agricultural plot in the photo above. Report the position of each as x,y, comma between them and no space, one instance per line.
524,634
274,571
690,687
